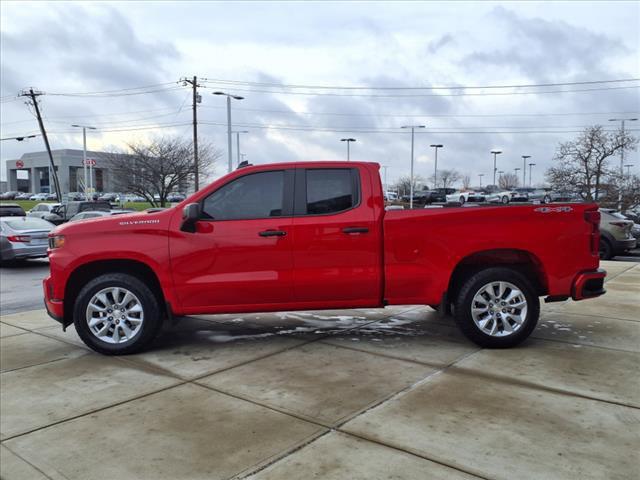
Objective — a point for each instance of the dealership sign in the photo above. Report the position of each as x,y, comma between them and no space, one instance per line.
90,162
19,164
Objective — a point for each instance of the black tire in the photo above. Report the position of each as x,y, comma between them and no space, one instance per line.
605,249
463,303
151,305
504,200
546,199
462,200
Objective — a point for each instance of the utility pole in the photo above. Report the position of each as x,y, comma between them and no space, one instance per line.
435,168
524,169
495,168
34,101
84,159
196,99
621,120
412,127
628,166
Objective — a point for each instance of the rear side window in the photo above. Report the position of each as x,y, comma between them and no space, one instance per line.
257,195
331,190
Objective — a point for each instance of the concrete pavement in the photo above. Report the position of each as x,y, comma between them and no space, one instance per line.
350,394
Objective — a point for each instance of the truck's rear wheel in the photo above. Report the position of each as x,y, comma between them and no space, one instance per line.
497,308
117,314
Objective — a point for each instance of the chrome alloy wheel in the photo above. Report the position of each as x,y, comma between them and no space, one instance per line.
114,315
499,309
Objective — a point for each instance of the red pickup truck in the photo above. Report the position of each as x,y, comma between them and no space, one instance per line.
315,235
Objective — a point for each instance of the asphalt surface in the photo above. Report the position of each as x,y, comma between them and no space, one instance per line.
21,285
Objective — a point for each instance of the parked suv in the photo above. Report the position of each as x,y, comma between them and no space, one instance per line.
68,210
616,235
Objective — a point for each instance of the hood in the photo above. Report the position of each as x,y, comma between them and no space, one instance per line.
117,223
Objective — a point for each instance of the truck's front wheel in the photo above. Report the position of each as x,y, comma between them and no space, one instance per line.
117,314
497,308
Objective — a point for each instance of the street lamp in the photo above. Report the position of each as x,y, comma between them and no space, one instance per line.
481,175
495,168
516,170
524,169
385,178
435,168
229,97
530,165
238,132
621,120
348,140
84,161
19,139
412,127
629,165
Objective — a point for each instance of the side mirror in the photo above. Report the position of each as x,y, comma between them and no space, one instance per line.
190,215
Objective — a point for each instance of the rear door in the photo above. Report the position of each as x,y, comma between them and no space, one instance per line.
336,240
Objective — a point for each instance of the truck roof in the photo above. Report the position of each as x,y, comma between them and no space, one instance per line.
314,163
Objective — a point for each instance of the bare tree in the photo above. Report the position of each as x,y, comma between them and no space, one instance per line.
154,170
466,181
583,164
446,178
508,181
403,184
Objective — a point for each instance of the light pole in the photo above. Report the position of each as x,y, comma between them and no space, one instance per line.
481,175
385,178
229,97
435,168
348,140
495,168
412,127
621,120
84,158
524,169
238,132
530,165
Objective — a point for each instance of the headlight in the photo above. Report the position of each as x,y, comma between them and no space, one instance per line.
56,241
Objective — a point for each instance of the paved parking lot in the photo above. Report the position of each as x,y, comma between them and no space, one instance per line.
350,394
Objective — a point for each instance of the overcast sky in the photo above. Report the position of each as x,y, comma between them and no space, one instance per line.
76,47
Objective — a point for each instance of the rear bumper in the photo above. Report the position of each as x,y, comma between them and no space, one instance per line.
623,245
55,307
588,284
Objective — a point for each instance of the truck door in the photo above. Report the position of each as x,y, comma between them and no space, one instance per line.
336,239
239,258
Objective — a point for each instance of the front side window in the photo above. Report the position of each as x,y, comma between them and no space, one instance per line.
258,195
330,190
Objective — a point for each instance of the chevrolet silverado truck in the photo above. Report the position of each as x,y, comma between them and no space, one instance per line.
315,235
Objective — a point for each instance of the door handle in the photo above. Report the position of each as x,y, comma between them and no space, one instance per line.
355,230
272,233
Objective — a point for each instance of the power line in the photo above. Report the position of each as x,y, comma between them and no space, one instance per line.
419,95
122,94
119,90
453,87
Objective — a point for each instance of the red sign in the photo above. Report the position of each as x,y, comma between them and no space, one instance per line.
90,162
19,164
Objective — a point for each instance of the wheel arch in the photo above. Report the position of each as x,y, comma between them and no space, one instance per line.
87,271
520,260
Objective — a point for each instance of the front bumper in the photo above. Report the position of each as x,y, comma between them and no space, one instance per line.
55,307
624,245
588,284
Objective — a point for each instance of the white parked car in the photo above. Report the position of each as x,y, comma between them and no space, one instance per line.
42,210
39,197
503,197
464,197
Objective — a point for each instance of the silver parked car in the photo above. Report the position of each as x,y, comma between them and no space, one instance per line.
23,237
42,210
97,213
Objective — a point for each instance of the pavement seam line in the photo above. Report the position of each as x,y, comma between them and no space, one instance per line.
29,463
583,344
36,365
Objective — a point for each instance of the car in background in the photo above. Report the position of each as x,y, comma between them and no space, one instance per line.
23,237
39,197
23,196
11,210
499,196
564,196
616,235
43,210
70,209
175,197
531,194
98,213
8,195
438,195
464,197
134,198
110,197
74,196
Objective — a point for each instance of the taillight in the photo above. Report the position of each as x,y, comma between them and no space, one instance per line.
19,238
619,224
593,217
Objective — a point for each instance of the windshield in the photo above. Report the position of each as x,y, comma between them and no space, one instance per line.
28,223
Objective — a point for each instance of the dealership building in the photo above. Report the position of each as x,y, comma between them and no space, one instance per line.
30,173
